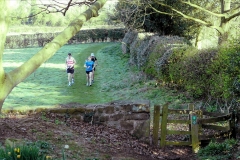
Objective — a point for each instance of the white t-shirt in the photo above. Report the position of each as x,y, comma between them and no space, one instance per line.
70,62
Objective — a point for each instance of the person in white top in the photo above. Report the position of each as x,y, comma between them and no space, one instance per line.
70,62
94,59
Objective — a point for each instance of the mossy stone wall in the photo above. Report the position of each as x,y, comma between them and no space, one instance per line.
130,116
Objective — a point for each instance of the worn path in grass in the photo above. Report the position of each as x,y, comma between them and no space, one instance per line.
48,85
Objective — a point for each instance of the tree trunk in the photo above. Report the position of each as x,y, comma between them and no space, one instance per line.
9,80
4,21
225,6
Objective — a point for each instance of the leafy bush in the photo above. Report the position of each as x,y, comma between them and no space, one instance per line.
218,151
225,71
177,64
211,72
186,68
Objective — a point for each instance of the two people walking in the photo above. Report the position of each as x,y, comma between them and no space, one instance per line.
90,66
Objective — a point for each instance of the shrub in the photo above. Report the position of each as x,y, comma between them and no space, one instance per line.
218,151
187,68
209,72
225,71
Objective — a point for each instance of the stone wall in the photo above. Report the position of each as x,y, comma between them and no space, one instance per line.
141,46
130,116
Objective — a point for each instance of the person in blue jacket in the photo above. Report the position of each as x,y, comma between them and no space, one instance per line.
89,68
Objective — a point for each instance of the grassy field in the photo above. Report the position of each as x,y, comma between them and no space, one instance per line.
47,86
114,79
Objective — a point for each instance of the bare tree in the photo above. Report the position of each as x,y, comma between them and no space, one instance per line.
56,6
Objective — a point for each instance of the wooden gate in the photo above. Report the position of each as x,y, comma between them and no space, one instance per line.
197,123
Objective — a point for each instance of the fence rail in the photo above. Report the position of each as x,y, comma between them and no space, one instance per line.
196,121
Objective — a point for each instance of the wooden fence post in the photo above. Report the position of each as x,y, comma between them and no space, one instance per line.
164,125
190,107
200,128
233,125
156,118
194,133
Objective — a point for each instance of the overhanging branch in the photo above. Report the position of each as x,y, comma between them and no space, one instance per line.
61,7
203,9
170,14
234,14
184,15
27,68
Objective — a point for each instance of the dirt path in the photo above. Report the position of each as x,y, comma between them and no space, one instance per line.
85,141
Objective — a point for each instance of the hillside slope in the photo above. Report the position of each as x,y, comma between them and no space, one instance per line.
115,79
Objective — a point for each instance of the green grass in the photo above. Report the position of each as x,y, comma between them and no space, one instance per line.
47,86
114,79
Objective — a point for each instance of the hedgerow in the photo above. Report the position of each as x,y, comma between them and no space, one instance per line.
202,73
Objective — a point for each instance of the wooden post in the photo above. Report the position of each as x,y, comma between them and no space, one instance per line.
200,128
190,107
233,126
194,133
156,118
164,125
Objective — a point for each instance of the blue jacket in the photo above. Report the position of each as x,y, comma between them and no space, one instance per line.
89,65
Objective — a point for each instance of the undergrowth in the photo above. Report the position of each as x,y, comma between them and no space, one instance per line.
206,73
218,151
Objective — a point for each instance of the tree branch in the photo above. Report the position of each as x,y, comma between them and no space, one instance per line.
170,14
219,29
58,7
203,9
22,72
64,7
234,14
184,15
